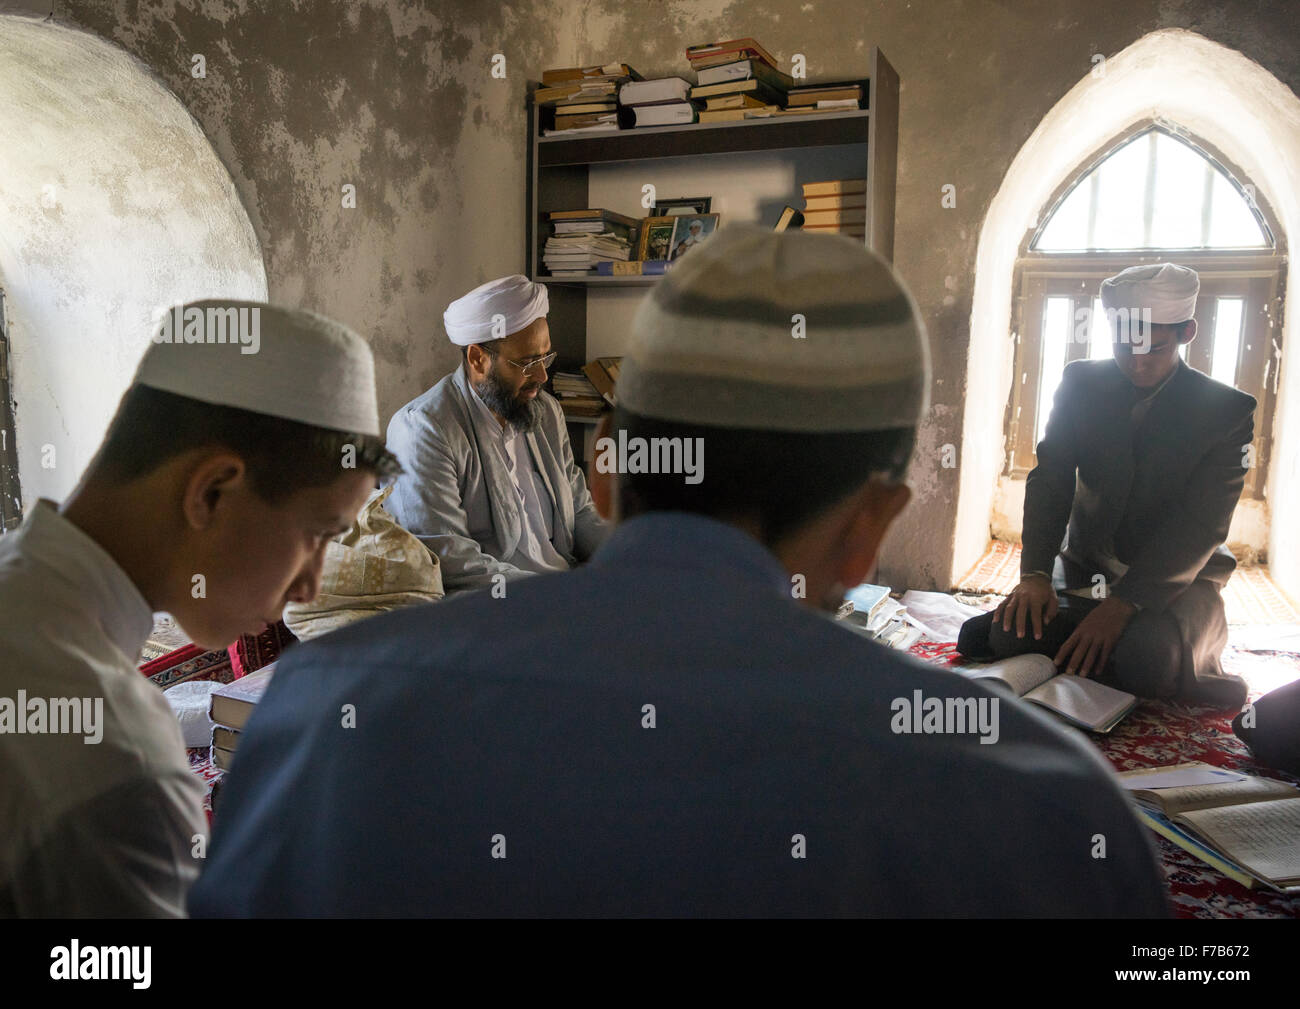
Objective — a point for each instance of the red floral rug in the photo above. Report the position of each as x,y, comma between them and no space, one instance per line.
1163,732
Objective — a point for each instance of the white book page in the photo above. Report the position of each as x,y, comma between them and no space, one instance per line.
1087,701
1263,837
1232,793
1022,673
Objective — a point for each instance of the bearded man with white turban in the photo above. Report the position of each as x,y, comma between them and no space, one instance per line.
1140,468
491,487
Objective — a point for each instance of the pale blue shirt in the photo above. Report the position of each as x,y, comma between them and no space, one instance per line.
535,552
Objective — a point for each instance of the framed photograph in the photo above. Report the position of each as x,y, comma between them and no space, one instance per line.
690,230
656,238
683,205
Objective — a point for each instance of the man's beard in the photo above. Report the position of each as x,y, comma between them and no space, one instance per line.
521,414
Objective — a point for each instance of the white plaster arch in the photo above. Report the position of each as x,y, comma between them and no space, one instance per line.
113,205
1219,95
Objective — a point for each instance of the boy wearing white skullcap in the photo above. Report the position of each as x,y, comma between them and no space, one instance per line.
676,728
247,440
1143,461
491,487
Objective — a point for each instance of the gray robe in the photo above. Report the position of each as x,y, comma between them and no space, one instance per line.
457,496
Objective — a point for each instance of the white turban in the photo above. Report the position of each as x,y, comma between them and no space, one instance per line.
495,310
283,362
1168,290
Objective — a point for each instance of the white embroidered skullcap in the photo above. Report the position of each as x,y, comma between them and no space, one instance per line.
283,362
494,310
1167,289
788,331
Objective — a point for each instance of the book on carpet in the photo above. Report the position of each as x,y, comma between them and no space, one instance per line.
1250,825
1082,702
233,703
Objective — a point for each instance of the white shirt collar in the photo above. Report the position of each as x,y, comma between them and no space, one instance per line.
50,539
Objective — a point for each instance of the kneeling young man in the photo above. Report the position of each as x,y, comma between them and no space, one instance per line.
1144,458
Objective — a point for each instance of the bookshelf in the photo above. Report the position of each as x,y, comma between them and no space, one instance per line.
566,173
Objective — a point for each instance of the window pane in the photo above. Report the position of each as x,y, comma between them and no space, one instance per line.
1227,339
1100,339
1232,223
1179,195
1108,208
1058,323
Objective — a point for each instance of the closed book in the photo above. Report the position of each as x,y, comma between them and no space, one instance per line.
765,93
741,101
669,114
710,53
608,71
635,268
854,215
813,93
585,108
221,758
587,91
596,214
664,89
225,737
790,218
232,704
742,70
588,119
834,187
736,115
843,201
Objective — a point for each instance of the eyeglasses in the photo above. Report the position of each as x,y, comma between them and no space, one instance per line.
529,367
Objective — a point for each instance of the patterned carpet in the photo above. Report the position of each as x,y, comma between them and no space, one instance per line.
1158,733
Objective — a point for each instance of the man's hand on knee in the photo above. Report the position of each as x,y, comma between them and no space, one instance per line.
1088,649
1033,601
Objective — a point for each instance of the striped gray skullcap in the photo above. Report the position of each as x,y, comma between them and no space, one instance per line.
714,343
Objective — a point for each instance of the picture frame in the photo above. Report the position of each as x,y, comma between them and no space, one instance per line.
683,205
690,230
655,241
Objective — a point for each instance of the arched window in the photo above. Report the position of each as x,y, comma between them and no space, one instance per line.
1153,195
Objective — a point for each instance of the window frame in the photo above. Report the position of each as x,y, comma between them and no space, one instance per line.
1258,275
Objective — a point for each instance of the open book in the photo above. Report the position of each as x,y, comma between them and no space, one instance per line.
1250,825
1086,703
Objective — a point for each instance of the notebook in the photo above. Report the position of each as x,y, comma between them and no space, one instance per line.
1081,702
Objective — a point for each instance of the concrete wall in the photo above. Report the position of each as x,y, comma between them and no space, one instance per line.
397,98
113,206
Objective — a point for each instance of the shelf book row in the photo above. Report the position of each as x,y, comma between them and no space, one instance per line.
734,80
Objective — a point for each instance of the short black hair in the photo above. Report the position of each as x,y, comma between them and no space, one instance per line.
283,456
781,480
493,348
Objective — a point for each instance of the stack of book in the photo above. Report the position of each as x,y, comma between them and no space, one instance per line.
836,207
873,612
826,97
581,239
737,79
230,709
577,396
662,102
584,98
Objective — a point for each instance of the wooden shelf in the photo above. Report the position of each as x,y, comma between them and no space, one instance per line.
829,129
560,170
